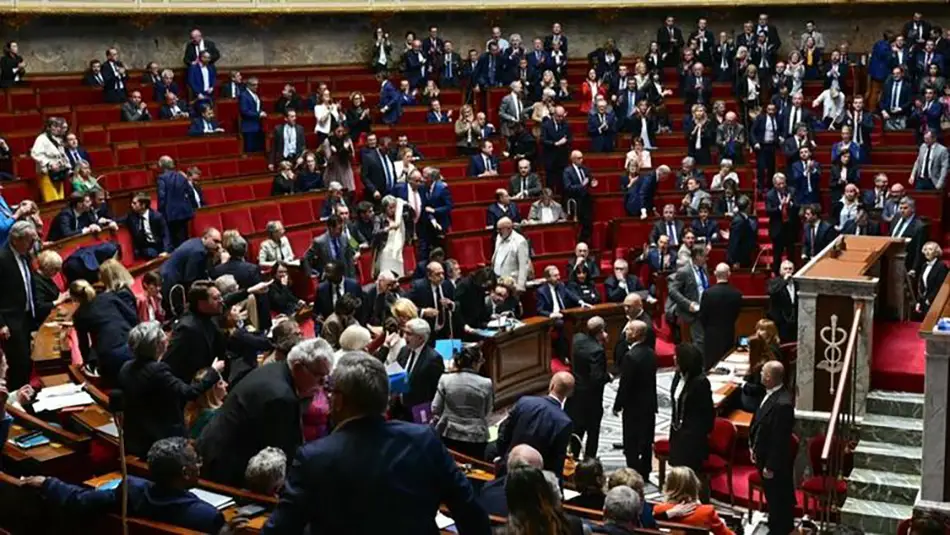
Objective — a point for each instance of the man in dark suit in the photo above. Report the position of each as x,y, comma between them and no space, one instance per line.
189,262
483,164
233,88
377,171
201,77
621,283
435,298
423,365
503,207
196,340
197,45
795,115
862,224
770,440
114,77
331,246
134,109
448,64
916,30
492,497
401,468
668,226
150,235
908,225
687,286
17,308
77,217
743,233
817,233
698,87
263,410
378,299
896,99
249,104
636,398
783,302
602,127
553,297
488,71
557,36
334,286
524,184
670,39
178,199
582,256
437,206
763,137
718,310
861,123
205,124
589,365
638,199
792,146
245,273
288,142
94,77
172,108
75,153
784,223
556,138
578,181
541,423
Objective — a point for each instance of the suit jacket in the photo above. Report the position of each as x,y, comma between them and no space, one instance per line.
636,392
770,436
804,117
773,208
545,302
74,158
541,423
667,44
176,196
113,83
660,229
323,303
421,294
320,252
904,96
439,198
442,67
697,90
487,69
424,376
850,228
373,172
277,144
231,90
197,127
90,79
533,189
403,468
573,187
805,182
154,400
824,235
708,230
496,212
927,288
161,238
390,103
640,196
684,290
166,113
131,113
245,273
196,82
757,132
718,312
593,124
262,410
67,223
589,360
536,207
14,303
195,342
743,232
693,416
916,231
656,260
477,164
939,164
508,116
616,294
250,112
552,133
192,53
186,264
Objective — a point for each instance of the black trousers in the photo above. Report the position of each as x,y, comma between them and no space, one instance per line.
784,241
17,350
780,495
586,409
471,449
765,167
585,216
179,231
638,432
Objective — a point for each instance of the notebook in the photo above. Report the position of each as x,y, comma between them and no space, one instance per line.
218,501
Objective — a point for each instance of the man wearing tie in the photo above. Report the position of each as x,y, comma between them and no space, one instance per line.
876,197
926,115
705,39
687,286
764,138
556,138
450,67
331,246
862,124
511,111
602,127
896,100
197,46
783,302
524,184
489,68
205,125
670,40
377,171
784,223
17,307
74,152
927,57
817,233
795,115
906,224
577,184
201,77
668,226
433,45
698,87
150,235
424,367
627,102
930,168
770,31
806,174
435,298
484,163
288,142
249,104
334,286
233,88
636,396
770,439
94,76
113,77
792,146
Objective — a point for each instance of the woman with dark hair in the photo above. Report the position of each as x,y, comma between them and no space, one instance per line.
590,481
102,323
338,150
463,400
692,413
766,346
11,65
534,506
344,315
358,117
582,284
279,295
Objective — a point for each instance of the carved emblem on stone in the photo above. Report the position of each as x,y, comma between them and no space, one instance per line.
833,336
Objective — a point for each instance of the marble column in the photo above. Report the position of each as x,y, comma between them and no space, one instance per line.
805,365
862,376
934,474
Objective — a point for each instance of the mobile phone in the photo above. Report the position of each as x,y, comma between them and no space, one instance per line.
250,510
31,440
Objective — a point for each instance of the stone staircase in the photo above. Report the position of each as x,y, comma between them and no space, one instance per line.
886,477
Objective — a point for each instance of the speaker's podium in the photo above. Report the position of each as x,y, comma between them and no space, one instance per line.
854,279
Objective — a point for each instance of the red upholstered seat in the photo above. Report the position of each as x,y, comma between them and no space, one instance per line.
714,463
469,252
263,214
296,213
239,219
662,447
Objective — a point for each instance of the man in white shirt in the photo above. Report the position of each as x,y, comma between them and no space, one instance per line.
511,257
546,209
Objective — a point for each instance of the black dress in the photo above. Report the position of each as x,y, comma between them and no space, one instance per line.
357,124
282,185
7,64
692,421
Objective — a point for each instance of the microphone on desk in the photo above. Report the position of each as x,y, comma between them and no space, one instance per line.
117,408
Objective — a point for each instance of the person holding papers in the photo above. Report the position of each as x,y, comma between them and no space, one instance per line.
463,401
423,365
173,466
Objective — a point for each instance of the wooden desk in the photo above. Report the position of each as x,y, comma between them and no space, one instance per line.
725,387
519,361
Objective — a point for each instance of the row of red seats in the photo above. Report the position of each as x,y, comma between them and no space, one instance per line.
247,218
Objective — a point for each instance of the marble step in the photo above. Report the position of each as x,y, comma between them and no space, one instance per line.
888,457
890,403
872,516
893,429
883,486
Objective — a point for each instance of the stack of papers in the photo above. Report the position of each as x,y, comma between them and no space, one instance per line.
109,429
570,494
218,501
443,521
57,397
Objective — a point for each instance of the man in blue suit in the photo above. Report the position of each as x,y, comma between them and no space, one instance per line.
176,200
483,163
249,104
245,273
173,466
503,207
806,174
437,207
201,78
817,233
896,100
205,124
402,469
742,236
556,138
417,65
150,235
578,181
492,496
334,286
191,261
926,115
75,153
76,218
638,199
927,57
390,103
489,69
602,127
541,423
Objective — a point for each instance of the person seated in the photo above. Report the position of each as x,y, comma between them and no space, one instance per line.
862,224
553,297
165,85
150,235
933,272
436,115
284,181
589,481
486,129
276,247
134,109
628,477
660,257
727,171
200,411
621,283
77,218
484,163
172,108
280,297
623,511
148,304
682,488
503,207
582,284
687,169
84,182
266,472
706,229
546,209
173,466
695,197
846,208
343,316
206,124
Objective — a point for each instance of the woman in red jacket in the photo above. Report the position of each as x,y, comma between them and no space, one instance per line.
590,90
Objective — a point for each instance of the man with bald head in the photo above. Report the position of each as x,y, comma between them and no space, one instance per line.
578,182
556,138
770,438
589,364
435,298
718,311
540,422
510,257
636,399
633,309
492,496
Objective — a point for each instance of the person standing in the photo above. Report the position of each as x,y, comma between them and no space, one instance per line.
718,311
17,309
770,439
586,406
636,399
462,403
692,410
687,286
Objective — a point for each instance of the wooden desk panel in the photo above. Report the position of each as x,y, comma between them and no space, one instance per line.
519,361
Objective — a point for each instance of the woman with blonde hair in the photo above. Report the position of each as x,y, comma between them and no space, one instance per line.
49,154
727,171
402,311
46,293
682,488
200,411
276,248
468,134
404,166
117,279
932,273
701,136
102,324
764,346
394,234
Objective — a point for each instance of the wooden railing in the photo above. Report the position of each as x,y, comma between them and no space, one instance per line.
841,429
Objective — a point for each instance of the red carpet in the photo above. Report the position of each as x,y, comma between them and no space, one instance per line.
740,487
898,359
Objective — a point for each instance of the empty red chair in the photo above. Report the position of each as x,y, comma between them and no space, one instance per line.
263,214
469,252
204,220
129,155
296,213
261,189
299,241
238,219
238,193
213,196
722,449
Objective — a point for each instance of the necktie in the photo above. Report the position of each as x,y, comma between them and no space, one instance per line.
438,305
98,78
524,185
517,108
703,279
148,231
631,102
671,232
813,232
491,70
857,128
412,361
671,34
28,284
898,229
387,169
487,163
926,170
448,65
335,248
895,90
557,295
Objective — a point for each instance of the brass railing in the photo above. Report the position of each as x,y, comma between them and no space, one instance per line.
841,429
